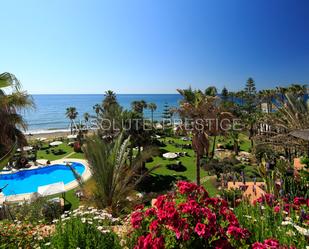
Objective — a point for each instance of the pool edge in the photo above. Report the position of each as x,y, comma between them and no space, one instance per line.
69,186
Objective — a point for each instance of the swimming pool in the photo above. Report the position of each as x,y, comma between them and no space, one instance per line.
28,181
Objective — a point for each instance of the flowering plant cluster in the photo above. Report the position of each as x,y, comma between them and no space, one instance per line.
299,205
187,218
270,243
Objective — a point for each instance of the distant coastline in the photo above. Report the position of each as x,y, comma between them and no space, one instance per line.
49,115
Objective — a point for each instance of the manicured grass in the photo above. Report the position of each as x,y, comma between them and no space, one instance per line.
244,142
188,161
78,155
43,153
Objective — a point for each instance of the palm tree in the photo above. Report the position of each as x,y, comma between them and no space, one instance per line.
115,178
11,122
110,99
97,109
86,116
139,106
152,107
71,114
201,109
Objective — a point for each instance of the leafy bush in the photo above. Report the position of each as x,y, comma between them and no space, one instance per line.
17,236
77,233
34,212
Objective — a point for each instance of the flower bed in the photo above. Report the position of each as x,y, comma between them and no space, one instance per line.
189,218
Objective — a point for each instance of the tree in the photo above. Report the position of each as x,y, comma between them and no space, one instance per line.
114,177
71,114
97,109
211,91
11,122
202,110
224,94
249,107
152,107
166,111
110,99
139,106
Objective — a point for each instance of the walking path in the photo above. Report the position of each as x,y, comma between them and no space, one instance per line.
68,155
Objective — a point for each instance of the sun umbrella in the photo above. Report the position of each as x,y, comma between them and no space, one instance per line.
56,143
41,139
51,189
26,148
71,136
170,155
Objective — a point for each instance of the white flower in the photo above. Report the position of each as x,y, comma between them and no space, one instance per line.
290,233
90,222
47,244
83,220
302,230
248,216
55,221
285,223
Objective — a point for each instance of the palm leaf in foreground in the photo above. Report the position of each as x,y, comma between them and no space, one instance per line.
115,178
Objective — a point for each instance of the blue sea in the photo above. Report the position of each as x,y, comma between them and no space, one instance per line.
49,113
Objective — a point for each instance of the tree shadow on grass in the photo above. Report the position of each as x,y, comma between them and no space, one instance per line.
162,151
176,167
158,183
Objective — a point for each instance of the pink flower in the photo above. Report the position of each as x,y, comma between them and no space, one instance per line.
200,229
136,219
237,232
258,245
277,209
153,226
300,201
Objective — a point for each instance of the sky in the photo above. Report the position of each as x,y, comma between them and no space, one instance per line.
153,46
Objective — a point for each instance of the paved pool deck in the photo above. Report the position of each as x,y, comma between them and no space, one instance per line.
71,185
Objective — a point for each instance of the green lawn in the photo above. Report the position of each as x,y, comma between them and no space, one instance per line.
165,175
46,153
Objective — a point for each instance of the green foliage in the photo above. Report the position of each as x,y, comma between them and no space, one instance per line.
35,212
264,223
74,233
114,175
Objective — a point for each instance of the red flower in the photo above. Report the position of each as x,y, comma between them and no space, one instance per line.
200,229
277,209
258,245
150,212
237,232
300,201
136,219
153,226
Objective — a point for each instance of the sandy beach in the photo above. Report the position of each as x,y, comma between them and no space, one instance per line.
48,135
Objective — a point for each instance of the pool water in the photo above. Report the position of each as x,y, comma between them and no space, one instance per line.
28,181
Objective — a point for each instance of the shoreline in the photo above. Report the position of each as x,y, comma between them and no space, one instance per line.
52,134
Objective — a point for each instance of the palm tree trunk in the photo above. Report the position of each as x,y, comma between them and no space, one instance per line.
71,127
213,147
198,170
152,119
236,147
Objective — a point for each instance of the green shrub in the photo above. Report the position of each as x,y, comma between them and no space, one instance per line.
79,233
